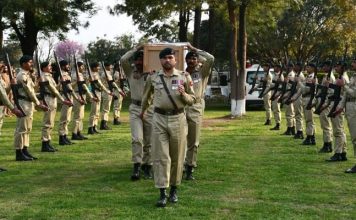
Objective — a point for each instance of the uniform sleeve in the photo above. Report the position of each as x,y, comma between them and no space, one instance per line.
102,87
27,84
87,91
4,99
52,88
125,62
189,96
208,63
147,94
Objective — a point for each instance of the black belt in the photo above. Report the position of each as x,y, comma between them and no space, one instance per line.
24,98
169,112
136,102
350,99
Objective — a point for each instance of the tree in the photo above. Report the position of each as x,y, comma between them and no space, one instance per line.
110,51
65,50
154,15
28,18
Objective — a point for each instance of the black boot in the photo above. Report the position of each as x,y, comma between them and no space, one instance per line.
68,142
299,135
307,140
26,153
162,201
351,170
335,158
288,131
189,173
91,130
275,128
82,136
136,172
292,129
312,140
50,146
76,137
173,197
95,130
343,156
116,121
46,147
22,157
327,148
61,140
268,122
147,171
104,125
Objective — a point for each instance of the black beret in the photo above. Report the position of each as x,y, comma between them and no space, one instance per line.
277,65
25,59
106,63
327,63
298,64
165,52
290,64
63,63
44,64
138,54
312,65
191,54
94,65
341,63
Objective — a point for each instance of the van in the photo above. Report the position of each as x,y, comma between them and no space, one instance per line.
252,99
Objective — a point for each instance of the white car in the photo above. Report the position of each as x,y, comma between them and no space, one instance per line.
252,99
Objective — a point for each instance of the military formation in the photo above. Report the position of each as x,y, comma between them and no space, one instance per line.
166,109
304,97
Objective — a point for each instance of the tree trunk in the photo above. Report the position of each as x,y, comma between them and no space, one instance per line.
211,36
233,56
242,47
1,29
28,39
197,22
183,24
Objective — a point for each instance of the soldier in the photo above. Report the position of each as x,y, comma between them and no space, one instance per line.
98,88
50,95
108,81
5,102
119,80
79,108
349,103
337,121
199,73
298,103
305,91
266,82
66,111
26,97
140,127
172,91
290,116
325,121
275,85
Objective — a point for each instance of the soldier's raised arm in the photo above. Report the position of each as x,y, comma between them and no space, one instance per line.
147,96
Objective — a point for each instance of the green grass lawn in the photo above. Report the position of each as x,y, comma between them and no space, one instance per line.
244,171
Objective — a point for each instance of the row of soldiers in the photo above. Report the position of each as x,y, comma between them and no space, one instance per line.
303,97
165,113
71,92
